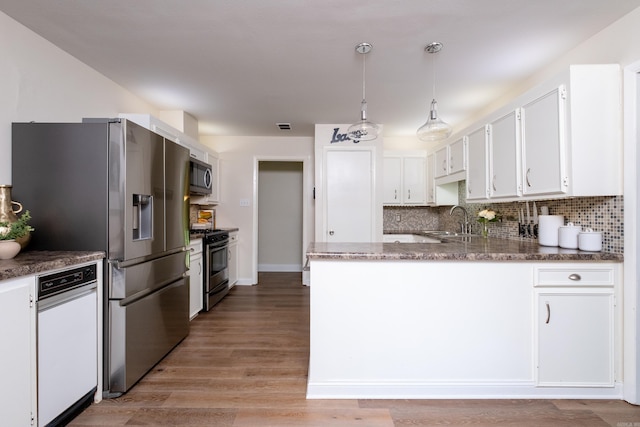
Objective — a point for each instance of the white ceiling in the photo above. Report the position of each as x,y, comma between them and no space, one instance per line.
241,66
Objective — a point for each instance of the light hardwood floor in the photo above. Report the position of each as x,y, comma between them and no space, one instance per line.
245,362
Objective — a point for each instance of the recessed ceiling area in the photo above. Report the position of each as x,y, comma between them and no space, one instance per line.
240,66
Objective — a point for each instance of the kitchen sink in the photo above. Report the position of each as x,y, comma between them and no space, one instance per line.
452,236
408,238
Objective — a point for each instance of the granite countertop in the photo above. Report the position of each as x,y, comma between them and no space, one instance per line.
462,248
28,263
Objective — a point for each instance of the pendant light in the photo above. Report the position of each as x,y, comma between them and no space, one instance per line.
434,129
363,130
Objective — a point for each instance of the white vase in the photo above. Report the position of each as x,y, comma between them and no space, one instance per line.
9,249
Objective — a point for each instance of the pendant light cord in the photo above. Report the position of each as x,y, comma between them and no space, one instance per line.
364,66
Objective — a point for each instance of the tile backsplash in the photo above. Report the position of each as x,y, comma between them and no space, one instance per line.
605,214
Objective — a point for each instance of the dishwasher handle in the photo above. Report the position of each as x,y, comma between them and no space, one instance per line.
67,296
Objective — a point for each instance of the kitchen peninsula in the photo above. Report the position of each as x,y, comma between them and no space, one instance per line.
465,318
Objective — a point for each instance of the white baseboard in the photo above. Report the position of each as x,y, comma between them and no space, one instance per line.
280,267
426,390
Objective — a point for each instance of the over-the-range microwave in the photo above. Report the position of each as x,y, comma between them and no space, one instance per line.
200,178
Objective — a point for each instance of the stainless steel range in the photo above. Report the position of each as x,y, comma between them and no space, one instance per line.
216,267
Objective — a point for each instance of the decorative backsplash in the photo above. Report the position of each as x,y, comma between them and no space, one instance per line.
605,214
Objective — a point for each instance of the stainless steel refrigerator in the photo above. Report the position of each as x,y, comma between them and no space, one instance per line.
114,186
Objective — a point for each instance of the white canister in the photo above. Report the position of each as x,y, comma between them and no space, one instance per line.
590,240
568,236
548,229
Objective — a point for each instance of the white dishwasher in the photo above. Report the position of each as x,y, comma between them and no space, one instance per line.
67,343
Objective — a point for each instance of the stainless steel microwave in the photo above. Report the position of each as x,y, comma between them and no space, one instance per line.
200,178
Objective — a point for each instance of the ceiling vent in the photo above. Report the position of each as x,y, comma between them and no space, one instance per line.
284,126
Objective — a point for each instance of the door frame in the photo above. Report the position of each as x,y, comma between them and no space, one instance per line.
631,109
307,203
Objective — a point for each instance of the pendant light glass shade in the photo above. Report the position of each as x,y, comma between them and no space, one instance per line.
434,129
363,130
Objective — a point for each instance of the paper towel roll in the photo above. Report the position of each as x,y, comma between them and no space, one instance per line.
548,229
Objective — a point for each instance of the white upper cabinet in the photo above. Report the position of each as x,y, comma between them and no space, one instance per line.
450,162
405,178
456,157
478,167
504,157
392,185
543,144
561,139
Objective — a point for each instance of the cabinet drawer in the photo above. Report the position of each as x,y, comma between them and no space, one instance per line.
592,276
233,238
195,246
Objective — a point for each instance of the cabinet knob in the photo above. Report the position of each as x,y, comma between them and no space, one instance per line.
331,232
575,277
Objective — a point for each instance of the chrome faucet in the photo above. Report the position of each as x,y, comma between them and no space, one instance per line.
465,227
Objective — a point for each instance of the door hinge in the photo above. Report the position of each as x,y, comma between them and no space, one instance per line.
563,92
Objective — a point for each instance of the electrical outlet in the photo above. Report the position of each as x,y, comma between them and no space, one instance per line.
398,218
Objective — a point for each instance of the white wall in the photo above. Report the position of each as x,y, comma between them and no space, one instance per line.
239,157
40,82
280,199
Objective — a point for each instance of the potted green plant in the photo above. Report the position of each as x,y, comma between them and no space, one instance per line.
11,233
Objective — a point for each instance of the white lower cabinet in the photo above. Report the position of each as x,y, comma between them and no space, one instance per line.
575,326
233,258
18,355
196,285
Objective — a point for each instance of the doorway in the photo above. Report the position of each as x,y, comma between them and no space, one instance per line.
280,216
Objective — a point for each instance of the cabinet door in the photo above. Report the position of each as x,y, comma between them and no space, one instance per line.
392,186
431,184
414,181
233,258
18,357
575,338
504,158
477,168
456,157
196,284
543,144
441,162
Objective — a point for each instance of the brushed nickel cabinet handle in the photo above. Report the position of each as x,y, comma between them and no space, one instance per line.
409,194
548,312
444,165
575,277
527,177
493,183
395,194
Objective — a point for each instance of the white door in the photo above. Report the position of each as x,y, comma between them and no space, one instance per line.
349,184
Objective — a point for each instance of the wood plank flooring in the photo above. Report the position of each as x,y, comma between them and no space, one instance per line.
245,362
